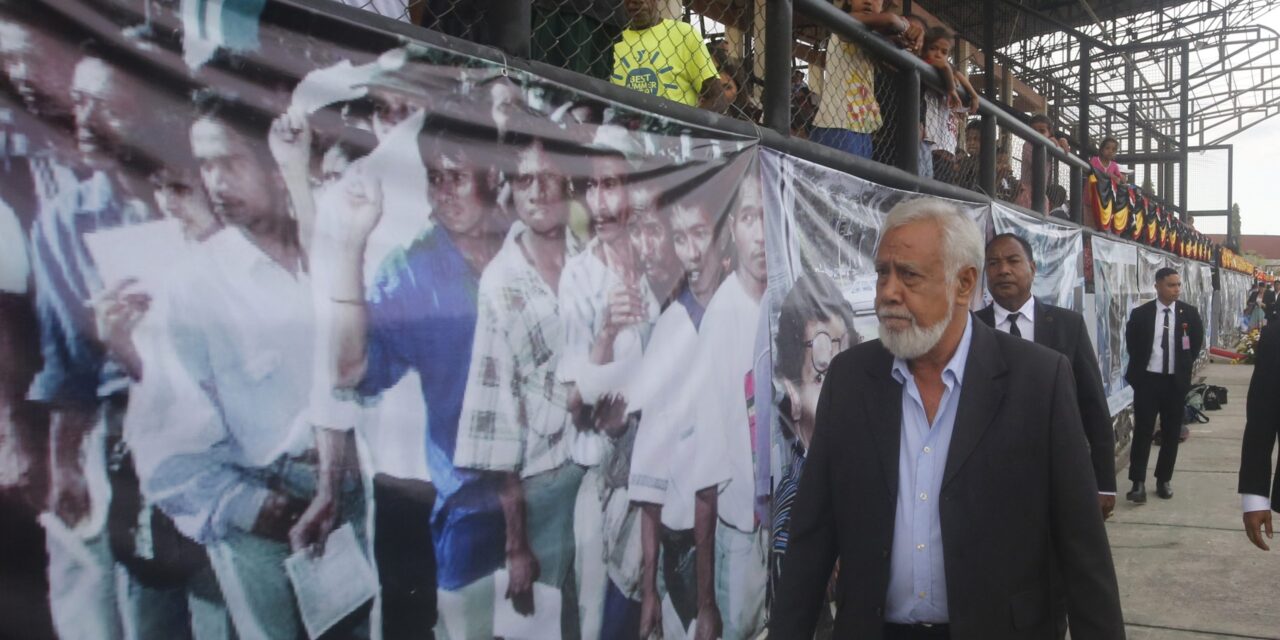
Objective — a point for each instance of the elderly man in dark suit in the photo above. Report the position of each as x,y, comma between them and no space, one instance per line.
1163,338
949,473
1261,430
1011,268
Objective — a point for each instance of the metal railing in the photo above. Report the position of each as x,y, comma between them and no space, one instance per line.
913,72
512,30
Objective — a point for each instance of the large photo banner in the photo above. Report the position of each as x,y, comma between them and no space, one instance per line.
1116,293
1197,290
1059,255
324,333
311,330
1151,261
1230,320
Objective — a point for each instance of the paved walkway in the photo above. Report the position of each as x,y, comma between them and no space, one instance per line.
1186,569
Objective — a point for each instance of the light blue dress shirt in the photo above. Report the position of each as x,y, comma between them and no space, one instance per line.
917,576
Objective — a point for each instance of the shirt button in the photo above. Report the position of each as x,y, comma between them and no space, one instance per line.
919,547
924,496
928,449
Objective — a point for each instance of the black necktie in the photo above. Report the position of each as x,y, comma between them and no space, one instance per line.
1164,344
1013,325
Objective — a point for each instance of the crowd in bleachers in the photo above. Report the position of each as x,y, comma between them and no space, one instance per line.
853,110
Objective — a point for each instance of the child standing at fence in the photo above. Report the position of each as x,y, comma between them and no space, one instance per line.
1104,164
665,58
940,131
1043,125
849,113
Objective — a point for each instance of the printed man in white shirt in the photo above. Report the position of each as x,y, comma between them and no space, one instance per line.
608,309
678,518
726,368
234,461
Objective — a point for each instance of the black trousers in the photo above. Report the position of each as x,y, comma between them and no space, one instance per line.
405,554
1156,395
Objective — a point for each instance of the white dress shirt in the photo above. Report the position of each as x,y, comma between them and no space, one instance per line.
725,367
585,287
671,453
1251,502
917,565
1156,363
1026,318
226,386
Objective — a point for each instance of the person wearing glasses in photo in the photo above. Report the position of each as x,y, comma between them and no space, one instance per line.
815,324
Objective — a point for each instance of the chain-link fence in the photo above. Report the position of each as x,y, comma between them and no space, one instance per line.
699,53
710,53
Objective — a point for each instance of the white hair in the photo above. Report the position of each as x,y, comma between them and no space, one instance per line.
962,244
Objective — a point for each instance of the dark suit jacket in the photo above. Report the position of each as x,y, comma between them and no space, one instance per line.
1139,334
1063,330
1262,422
1269,300
1017,497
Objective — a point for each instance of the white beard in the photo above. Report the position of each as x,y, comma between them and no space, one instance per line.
914,341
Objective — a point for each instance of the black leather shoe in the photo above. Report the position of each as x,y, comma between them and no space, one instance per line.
1164,490
1138,494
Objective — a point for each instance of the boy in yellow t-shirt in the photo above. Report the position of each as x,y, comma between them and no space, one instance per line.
665,58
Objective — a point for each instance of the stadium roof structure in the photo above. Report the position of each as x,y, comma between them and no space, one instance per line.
1135,48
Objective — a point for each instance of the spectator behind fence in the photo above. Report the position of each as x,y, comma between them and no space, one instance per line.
1104,164
666,58
804,110
849,113
967,158
1044,126
1057,196
1007,184
938,142
737,96
578,35
797,81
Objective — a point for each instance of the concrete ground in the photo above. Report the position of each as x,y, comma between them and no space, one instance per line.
1185,567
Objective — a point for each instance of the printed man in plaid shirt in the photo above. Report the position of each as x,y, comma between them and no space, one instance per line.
515,415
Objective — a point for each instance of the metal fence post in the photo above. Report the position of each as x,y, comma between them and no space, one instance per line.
777,65
987,152
1076,195
1039,177
908,134
513,27
1086,89
1184,105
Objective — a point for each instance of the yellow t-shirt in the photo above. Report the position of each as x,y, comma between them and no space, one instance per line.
668,59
